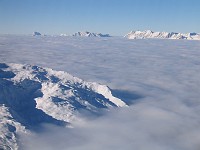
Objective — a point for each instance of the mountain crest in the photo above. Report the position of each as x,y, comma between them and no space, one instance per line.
31,95
161,35
90,34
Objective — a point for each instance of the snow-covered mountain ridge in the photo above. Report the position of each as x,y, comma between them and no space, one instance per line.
90,34
31,95
162,35
87,34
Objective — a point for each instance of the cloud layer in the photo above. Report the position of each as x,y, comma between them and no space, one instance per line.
162,74
150,124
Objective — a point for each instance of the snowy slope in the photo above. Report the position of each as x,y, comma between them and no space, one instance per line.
31,95
161,35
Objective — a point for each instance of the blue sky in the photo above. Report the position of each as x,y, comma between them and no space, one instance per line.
116,17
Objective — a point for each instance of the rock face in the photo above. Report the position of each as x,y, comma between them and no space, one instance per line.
89,34
36,34
161,35
31,95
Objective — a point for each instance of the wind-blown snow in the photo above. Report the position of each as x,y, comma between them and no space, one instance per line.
160,78
162,35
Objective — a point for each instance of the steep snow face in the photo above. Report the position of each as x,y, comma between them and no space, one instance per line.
31,95
161,35
89,34
8,128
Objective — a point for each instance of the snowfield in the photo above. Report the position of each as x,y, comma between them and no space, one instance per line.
158,78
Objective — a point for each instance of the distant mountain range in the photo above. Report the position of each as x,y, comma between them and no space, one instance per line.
87,34
146,34
161,35
77,34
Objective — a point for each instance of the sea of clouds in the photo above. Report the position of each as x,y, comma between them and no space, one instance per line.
159,78
150,124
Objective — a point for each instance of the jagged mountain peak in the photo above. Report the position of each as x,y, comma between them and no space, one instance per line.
31,95
36,34
90,34
161,35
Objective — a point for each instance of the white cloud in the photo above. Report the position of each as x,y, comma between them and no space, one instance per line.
150,124
164,73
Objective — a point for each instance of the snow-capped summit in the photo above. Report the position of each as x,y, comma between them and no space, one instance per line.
161,35
90,34
31,95
36,34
